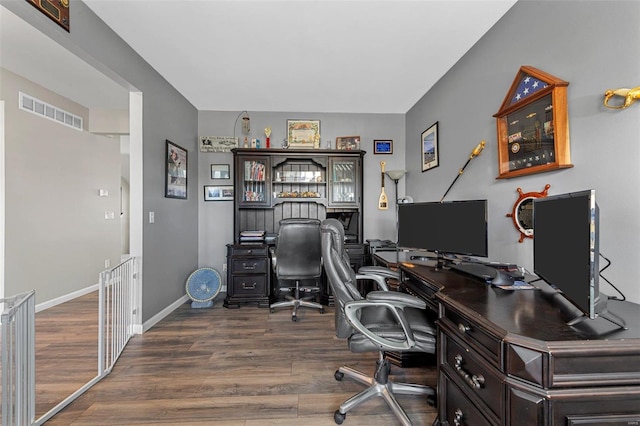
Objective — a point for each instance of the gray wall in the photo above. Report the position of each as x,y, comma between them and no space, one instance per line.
170,245
216,218
57,238
591,44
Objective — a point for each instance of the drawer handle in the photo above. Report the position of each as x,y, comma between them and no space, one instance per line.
463,328
476,382
249,267
458,417
246,286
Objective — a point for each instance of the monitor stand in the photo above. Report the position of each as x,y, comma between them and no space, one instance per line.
572,315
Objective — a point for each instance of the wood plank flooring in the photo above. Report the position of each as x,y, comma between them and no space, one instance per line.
239,367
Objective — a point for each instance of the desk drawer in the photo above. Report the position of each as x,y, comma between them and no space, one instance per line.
249,285
458,409
475,375
250,266
487,344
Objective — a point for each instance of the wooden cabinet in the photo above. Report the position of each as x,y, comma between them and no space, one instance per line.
248,275
509,358
274,184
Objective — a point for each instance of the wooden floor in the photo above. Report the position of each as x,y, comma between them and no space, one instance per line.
238,367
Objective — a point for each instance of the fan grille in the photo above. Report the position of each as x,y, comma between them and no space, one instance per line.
203,284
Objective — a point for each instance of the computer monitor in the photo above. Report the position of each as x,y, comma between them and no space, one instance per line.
450,227
566,250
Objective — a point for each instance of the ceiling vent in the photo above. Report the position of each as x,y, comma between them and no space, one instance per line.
43,109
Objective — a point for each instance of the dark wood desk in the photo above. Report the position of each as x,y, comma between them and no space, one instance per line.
509,358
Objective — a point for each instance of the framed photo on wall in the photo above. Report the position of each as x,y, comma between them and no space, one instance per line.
218,193
429,142
175,171
382,146
348,142
220,171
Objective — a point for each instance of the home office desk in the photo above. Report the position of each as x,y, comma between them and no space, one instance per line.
509,358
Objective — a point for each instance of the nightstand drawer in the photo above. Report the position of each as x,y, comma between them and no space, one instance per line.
249,285
249,250
250,266
472,373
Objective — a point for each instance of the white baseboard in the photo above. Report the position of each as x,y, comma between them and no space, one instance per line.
163,313
67,297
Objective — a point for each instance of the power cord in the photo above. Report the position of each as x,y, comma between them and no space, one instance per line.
609,282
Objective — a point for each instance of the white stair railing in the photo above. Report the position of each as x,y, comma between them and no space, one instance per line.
18,359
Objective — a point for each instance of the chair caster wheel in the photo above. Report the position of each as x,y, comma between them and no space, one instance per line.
272,310
294,318
338,376
322,311
338,417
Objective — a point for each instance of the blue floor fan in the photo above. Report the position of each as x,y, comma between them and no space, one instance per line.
203,285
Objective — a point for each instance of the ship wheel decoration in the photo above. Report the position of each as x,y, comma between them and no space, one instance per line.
522,213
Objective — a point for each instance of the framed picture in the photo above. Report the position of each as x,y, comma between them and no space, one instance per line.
348,142
220,171
381,146
218,193
429,142
175,172
303,134
218,143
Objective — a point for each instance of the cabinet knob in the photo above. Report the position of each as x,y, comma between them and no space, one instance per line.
458,417
463,328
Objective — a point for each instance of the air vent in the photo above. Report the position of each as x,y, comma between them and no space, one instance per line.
43,109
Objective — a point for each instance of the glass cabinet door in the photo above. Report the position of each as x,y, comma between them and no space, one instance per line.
343,182
254,182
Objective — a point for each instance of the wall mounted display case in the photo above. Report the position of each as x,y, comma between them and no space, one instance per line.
533,125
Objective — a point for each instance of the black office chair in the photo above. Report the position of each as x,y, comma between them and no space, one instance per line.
297,257
383,321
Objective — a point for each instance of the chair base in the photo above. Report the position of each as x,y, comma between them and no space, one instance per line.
380,385
296,302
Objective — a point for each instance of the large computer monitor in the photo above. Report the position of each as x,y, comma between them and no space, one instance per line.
450,227
566,250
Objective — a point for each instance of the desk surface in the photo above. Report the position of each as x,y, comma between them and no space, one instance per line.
525,314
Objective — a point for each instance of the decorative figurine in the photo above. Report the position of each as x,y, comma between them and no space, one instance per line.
267,133
629,95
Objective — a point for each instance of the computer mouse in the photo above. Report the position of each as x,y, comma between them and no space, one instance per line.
502,278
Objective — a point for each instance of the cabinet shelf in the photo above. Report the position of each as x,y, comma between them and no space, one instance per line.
282,182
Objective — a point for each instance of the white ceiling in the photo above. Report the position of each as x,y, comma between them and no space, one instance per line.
291,55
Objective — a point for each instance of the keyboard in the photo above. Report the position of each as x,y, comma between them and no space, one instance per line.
478,270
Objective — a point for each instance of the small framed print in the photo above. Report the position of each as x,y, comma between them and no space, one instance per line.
429,142
220,171
382,146
218,193
175,171
348,142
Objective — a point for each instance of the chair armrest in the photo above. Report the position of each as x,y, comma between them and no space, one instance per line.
274,259
402,300
379,270
396,307
379,279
